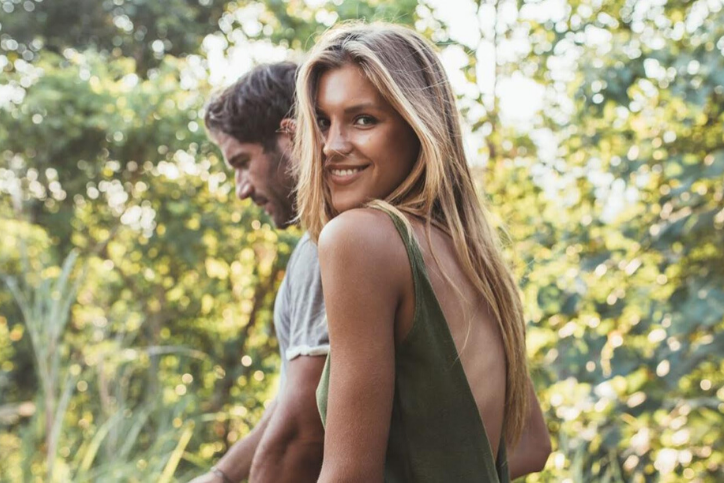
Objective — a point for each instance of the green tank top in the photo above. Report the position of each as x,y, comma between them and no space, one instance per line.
436,432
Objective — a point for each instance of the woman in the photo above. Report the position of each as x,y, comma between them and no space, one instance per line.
426,379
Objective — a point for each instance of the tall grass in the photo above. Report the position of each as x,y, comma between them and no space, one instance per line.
45,308
132,440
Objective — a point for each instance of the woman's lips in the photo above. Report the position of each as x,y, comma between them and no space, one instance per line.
344,175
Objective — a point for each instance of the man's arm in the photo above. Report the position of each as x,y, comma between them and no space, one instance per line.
291,448
236,463
534,447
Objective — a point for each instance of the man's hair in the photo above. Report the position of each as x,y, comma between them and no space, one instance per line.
252,108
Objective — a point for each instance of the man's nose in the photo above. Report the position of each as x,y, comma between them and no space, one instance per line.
244,189
337,142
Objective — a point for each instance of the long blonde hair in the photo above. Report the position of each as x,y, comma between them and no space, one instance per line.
403,66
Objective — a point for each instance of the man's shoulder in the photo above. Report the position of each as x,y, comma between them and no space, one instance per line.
304,254
304,242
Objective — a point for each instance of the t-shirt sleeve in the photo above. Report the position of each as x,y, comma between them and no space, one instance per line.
281,325
308,334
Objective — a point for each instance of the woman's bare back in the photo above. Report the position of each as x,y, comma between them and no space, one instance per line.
472,325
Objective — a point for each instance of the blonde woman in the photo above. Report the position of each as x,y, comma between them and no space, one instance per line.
426,380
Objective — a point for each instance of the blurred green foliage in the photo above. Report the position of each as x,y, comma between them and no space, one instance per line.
136,341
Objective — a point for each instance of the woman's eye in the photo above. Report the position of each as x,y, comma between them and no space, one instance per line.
365,121
322,123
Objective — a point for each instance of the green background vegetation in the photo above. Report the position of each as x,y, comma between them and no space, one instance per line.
136,341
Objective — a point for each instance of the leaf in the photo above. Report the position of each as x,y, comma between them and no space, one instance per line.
178,452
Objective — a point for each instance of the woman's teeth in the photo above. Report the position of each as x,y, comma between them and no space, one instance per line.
345,172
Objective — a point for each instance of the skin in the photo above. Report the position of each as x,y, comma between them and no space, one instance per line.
287,444
292,447
531,453
361,130
261,175
370,299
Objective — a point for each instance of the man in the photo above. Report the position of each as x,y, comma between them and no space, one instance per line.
251,122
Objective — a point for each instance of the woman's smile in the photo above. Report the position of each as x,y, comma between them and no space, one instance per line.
343,175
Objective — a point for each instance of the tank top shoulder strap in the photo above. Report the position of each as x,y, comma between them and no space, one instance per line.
414,253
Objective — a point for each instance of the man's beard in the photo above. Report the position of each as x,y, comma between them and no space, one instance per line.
282,189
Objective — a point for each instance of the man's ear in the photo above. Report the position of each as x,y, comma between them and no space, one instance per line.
288,126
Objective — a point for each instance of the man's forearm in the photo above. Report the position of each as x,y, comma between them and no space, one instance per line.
293,444
294,461
236,463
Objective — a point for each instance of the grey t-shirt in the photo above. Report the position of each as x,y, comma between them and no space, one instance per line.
299,317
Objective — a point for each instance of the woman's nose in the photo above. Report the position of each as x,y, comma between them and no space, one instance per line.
336,142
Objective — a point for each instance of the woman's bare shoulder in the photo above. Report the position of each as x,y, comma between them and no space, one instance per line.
361,228
363,234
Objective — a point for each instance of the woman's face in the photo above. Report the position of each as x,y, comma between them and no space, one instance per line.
368,148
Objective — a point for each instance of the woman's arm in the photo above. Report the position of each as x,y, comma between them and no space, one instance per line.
534,447
361,278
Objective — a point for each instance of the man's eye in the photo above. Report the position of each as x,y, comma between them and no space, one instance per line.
365,121
238,164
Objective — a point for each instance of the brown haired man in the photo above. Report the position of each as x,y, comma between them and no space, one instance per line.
251,122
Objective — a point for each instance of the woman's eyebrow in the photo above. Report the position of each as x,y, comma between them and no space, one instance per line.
351,109
360,107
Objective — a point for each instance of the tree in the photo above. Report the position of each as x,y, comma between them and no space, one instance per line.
611,194
168,356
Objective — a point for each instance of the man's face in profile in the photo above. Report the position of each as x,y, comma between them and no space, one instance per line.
261,175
